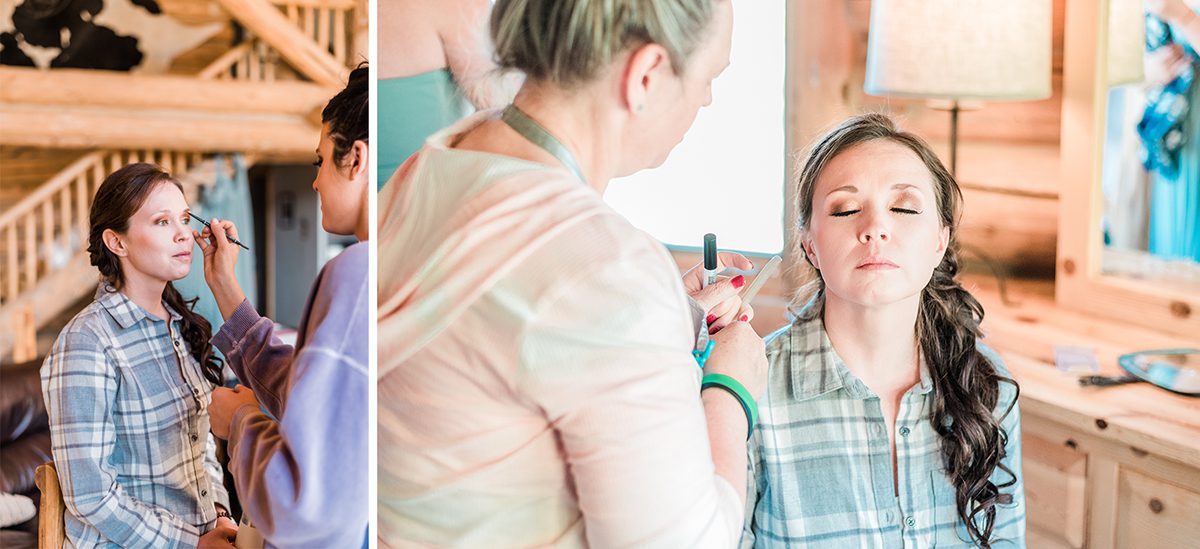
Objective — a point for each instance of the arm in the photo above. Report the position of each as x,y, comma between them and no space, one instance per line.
615,378
470,54
260,360
304,478
79,387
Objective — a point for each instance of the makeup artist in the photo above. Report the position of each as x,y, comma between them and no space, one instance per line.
537,385
302,479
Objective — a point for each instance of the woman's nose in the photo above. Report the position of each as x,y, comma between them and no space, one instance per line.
874,227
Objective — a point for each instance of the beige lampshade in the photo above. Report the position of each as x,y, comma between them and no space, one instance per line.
1126,42
960,49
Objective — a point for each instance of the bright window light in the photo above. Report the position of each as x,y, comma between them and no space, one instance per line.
726,176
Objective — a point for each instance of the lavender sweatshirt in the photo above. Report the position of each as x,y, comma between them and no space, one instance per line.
303,480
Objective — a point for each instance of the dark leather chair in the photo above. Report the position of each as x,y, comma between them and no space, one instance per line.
24,436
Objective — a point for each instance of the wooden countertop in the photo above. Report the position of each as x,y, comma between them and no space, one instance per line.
1139,414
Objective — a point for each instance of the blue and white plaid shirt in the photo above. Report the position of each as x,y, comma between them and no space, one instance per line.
129,428
821,466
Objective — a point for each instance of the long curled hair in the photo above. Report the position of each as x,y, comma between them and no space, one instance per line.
120,196
966,386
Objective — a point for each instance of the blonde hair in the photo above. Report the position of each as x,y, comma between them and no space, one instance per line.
567,42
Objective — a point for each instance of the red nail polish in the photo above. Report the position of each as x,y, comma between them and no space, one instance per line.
738,281
745,318
712,330
710,319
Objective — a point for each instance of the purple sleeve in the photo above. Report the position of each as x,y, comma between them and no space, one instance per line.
259,359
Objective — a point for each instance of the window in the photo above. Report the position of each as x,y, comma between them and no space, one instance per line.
726,176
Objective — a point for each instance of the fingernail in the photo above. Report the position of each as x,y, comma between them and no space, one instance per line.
738,281
745,318
710,319
712,330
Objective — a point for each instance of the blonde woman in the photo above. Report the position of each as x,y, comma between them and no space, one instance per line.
537,385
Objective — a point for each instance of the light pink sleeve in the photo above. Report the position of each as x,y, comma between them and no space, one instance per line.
607,357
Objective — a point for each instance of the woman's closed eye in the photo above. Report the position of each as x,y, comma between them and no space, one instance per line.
317,162
846,213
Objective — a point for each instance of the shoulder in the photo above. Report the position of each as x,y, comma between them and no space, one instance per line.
353,262
1008,390
86,335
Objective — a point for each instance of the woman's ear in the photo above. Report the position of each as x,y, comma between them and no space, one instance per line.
642,74
810,254
943,240
359,159
113,242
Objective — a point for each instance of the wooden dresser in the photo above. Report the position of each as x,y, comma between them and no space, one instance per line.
1104,467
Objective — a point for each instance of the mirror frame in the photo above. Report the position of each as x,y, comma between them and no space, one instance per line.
1079,282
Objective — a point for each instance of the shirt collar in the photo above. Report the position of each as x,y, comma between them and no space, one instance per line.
124,310
816,367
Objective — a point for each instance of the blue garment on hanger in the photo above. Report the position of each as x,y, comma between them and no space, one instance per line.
1161,127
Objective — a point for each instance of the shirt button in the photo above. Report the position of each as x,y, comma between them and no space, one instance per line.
910,522
195,438
204,492
904,431
176,342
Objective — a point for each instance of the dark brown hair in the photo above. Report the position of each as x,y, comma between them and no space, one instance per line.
346,113
120,196
966,386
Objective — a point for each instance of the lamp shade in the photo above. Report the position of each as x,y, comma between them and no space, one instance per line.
960,49
1126,41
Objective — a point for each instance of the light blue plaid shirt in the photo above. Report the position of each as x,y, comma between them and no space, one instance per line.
820,459
129,429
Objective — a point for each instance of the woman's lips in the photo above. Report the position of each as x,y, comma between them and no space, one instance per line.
183,255
876,263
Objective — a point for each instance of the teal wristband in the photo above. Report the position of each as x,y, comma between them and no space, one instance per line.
735,388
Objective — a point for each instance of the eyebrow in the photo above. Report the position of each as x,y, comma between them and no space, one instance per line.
853,189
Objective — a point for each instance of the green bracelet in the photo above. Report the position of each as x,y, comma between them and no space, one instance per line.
735,388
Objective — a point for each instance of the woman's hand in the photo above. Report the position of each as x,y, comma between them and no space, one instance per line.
739,353
225,403
1165,64
220,258
720,300
221,536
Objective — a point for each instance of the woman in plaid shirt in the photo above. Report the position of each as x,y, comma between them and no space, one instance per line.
885,423
128,381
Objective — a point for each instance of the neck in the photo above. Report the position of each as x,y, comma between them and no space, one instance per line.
362,228
878,344
145,292
579,120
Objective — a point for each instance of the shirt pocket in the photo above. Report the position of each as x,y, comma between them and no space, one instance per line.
149,396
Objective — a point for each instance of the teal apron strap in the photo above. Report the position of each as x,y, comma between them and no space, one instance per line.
536,134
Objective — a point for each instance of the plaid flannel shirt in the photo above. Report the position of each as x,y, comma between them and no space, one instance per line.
129,429
820,458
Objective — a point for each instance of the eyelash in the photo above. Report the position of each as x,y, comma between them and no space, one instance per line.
847,213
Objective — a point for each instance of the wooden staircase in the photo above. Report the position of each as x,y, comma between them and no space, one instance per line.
261,97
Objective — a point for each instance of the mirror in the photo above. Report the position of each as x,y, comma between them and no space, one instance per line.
1150,173
1128,243
1176,370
